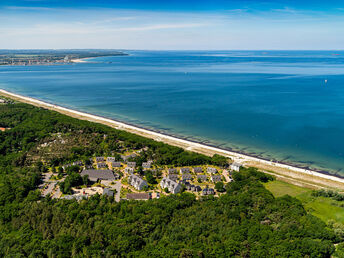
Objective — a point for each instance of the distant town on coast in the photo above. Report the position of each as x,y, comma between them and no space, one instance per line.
49,57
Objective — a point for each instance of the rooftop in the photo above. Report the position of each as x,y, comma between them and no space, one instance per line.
138,196
108,191
99,174
172,170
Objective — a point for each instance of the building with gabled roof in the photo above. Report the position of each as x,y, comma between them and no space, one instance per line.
108,192
197,188
100,159
186,177
101,165
216,178
77,163
146,165
115,164
95,175
129,170
172,186
131,164
208,191
110,159
185,170
126,157
211,170
235,166
137,182
202,177
139,196
172,171
173,177
198,169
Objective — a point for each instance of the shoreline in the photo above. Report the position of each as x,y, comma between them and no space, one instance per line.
79,60
322,178
83,59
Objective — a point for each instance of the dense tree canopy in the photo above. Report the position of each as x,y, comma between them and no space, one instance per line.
247,221
31,125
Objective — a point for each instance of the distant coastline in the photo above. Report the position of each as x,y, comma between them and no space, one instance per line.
79,60
320,177
51,57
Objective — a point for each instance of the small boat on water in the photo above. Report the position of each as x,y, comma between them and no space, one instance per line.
325,81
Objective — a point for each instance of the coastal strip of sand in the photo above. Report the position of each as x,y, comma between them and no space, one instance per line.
283,171
80,60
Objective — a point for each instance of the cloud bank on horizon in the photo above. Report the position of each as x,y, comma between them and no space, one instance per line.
148,24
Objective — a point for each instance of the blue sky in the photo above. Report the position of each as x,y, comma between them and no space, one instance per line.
188,24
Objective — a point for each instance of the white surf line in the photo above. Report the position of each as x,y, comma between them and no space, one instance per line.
235,156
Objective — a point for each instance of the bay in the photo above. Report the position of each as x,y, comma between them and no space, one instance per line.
274,104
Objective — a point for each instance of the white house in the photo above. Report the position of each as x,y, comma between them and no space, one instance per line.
236,166
146,165
211,170
129,170
171,185
137,182
110,159
101,165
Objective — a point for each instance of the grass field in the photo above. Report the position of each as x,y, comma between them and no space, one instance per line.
324,208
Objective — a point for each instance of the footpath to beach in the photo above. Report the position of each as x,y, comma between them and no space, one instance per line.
285,172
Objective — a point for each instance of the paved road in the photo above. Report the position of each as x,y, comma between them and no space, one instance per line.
57,193
117,186
45,179
226,175
50,188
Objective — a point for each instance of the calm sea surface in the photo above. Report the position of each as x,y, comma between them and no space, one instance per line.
275,104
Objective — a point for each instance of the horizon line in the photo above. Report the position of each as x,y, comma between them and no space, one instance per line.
124,49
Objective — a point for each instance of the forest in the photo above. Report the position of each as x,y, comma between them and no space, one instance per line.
31,126
246,221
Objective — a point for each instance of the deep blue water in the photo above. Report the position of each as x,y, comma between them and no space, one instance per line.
272,103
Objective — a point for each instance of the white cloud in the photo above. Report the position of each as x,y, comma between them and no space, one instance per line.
235,29
28,8
63,29
160,27
113,19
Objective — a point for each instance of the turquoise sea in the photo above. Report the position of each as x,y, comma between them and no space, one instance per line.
281,105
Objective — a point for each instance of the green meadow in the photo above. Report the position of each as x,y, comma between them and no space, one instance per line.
324,208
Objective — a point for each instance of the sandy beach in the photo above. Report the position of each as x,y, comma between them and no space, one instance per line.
285,172
81,60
